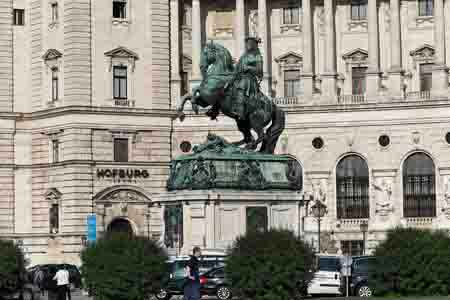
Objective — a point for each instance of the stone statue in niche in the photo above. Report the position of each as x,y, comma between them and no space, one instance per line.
319,187
447,191
383,188
253,23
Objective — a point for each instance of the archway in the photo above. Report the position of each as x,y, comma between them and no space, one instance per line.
122,226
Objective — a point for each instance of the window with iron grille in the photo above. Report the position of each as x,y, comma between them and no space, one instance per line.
352,248
19,17
54,218
173,221
120,82
55,82
291,15
352,185
257,219
359,80
120,9
292,87
425,8
120,150
419,191
359,9
426,77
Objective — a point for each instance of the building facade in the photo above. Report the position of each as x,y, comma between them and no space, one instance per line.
85,120
88,89
365,85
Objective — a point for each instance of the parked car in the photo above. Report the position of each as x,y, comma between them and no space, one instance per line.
327,276
214,283
173,284
358,282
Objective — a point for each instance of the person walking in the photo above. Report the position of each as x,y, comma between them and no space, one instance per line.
62,282
192,285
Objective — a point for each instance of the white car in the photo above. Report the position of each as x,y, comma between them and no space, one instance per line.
327,278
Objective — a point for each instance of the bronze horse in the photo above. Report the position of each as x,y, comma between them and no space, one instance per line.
218,90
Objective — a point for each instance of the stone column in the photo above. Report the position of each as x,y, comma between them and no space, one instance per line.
440,71
241,27
175,55
329,87
373,72
308,46
264,35
196,42
396,71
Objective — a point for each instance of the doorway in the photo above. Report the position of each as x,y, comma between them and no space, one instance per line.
121,225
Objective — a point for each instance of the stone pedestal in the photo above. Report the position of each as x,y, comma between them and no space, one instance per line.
213,219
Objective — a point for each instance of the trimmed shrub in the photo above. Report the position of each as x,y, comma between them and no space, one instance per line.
412,262
12,267
273,265
120,267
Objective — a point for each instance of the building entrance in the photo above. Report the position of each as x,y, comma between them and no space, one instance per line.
120,225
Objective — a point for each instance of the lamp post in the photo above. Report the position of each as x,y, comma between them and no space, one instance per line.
364,226
319,210
304,202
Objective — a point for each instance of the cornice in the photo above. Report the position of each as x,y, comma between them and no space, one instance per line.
96,163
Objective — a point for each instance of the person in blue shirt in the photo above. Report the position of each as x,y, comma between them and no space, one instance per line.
192,286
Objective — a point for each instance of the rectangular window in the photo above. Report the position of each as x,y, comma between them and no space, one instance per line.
54,218
54,12
55,151
185,17
426,77
120,82
359,9
55,82
257,219
425,8
292,86
184,83
120,9
352,248
19,17
291,15
120,150
359,80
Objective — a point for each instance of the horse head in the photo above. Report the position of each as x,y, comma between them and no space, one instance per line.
217,55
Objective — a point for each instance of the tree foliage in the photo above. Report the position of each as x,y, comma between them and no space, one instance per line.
412,262
273,265
12,266
119,267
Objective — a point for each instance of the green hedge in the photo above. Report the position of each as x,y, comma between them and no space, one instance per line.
412,262
119,267
271,265
12,266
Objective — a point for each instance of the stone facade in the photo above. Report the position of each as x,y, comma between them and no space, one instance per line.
60,118
391,40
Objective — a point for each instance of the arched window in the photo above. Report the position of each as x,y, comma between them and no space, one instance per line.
419,192
352,185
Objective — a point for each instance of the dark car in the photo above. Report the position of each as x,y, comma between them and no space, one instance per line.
214,283
358,282
173,284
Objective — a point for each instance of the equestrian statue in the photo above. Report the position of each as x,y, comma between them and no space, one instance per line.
235,92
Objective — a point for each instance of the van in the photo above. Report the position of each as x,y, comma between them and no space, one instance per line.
327,276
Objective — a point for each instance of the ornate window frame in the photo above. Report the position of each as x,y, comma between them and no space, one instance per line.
425,20
54,135
186,63
186,29
53,22
290,61
122,57
355,58
425,54
124,134
53,61
356,24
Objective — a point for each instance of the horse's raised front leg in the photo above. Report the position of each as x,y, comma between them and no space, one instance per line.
180,114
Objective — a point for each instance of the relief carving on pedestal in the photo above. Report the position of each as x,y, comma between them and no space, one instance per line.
383,192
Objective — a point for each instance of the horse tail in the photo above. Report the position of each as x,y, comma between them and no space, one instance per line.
275,130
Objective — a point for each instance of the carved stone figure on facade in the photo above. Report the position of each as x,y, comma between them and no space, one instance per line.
250,174
383,197
319,190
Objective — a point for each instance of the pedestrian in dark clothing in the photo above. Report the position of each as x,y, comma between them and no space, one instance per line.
192,286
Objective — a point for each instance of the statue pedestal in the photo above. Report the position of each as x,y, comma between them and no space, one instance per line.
213,219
